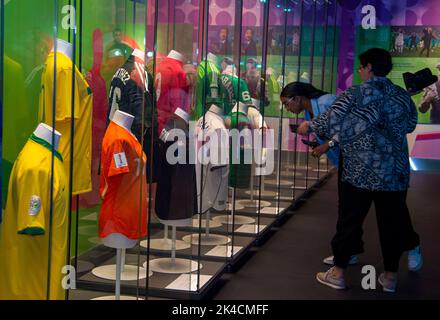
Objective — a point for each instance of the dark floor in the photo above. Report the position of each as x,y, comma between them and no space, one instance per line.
285,266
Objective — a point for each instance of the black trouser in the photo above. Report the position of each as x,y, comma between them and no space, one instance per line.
394,223
357,245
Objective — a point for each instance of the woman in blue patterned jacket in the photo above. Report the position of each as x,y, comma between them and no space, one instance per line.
370,122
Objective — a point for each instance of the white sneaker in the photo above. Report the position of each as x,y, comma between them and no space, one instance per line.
330,260
328,279
415,260
388,285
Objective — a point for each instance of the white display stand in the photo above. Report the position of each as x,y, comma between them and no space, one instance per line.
207,239
119,241
262,192
165,244
252,202
212,224
173,265
232,218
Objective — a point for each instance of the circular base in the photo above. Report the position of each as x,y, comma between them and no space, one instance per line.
84,266
254,203
130,273
165,244
212,224
166,265
210,240
263,193
236,220
237,207
274,182
113,298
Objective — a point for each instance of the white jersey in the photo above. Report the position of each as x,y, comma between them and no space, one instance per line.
213,160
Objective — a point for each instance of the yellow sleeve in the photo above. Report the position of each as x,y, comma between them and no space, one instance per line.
33,202
64,95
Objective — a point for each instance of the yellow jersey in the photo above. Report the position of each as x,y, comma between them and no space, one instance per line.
26,231
81,115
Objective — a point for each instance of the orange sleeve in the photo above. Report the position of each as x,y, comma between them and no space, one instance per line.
117,159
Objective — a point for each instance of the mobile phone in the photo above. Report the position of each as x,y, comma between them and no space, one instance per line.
294,128
311,144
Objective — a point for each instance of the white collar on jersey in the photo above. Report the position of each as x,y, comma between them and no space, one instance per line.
138,54
230,71
215,109
182,114
175,55
64,47
123,120
212,58
46,133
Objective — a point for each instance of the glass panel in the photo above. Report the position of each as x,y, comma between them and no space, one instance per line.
138,91
35,186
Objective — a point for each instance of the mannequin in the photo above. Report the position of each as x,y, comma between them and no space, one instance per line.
79,92
117,185
26,231
64,47
208,83
175,55
212,192
233,89
43,131
131,91
172,88
176,201
258,124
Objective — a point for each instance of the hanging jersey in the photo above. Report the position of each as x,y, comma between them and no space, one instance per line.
240,151
99,123
123,185
131,91
31,220
212,165
233,90
171,90
81,116
208,82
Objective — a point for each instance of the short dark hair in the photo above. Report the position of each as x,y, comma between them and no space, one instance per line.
301,89
380,60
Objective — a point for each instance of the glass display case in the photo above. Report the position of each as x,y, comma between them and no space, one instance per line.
145,149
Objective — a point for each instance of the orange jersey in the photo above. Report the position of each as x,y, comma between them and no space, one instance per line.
123,185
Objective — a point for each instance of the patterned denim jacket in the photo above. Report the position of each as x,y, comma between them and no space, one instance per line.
371,122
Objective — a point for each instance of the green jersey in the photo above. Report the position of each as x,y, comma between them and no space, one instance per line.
233,90
207,87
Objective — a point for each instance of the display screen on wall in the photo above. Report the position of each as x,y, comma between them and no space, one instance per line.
413,48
